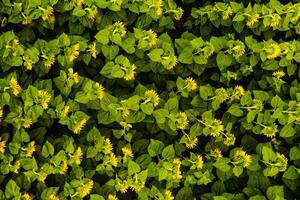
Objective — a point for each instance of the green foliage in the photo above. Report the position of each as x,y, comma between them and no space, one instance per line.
149,99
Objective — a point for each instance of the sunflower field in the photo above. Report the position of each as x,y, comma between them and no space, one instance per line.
149,99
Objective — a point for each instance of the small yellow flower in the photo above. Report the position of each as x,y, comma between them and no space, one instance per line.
42,176
112,197
278,74
64,167
100,91
191,143
16,167
269,131
15,87
27,21
74,52
80,2
130,73
120,28
1,114
78,156
217,154
108,147
229,139
227,13
75,76
3,22
113,160
125,125
151,95
242,155
16,42
2,146
275,20
45,98
48,13
182,121
282,162
30,149
92,13
64,113
49,62
86,189
125,112
253,20
127,152
136,187
191,84
27,122
28,64
79,126
199,162
273,50
26,196
238,49
217,128
93,50
247,160
53,196
168,195
158,7
177,172
152,38
239,91
171,62
124,186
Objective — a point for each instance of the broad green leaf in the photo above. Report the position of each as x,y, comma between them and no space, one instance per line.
12,189
168,152
47,150
133,168
287,131
155,147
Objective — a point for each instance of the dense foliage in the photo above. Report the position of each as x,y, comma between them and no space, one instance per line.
149,99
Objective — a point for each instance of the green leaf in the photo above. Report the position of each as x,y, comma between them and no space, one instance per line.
223,60
235,110
12,189
270,171
275,192
186,56
47,150
133,168
172,105
160,115
276,102
103,36
294,153
29,163
110,52
155,147
237,170
206,91
162,174
222,164
184,193
291,173
78,12
268,154
287,131
155,55
96,197
168,152
147,108
258,197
